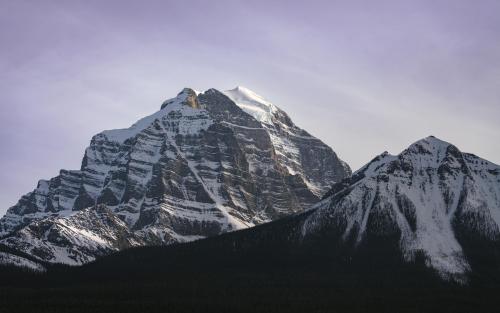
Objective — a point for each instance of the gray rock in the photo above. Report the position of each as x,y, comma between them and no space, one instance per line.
200,166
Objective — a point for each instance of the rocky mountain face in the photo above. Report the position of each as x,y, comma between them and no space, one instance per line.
295,149
205,164
402,230
415,232
427,215
431,201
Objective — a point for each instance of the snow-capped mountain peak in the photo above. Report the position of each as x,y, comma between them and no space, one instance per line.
252,103
187,97
198,167
289,141
431,146
431,196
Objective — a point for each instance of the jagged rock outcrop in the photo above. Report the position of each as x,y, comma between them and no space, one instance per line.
200,166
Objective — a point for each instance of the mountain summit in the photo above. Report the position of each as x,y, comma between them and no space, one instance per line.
431,200
204,164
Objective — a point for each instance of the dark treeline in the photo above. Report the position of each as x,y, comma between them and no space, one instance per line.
255,270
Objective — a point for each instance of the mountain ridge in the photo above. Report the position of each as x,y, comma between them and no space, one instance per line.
378,241
426,196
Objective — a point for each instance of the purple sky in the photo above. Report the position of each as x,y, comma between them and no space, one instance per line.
364,76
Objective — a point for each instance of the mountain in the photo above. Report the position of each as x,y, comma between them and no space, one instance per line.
431,206
431,201
414,232
204,164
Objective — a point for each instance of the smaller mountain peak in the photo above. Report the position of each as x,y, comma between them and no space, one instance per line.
434,139
186,91
433,151
429,144
212,91
187,96
190,98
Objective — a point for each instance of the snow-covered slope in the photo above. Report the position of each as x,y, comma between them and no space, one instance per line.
430,199
255,105
74,239
198,167
8,259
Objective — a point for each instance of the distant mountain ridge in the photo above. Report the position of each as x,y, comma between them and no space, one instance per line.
205,164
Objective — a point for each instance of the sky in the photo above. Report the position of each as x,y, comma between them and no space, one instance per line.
363,76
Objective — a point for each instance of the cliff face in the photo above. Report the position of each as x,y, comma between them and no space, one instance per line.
201,166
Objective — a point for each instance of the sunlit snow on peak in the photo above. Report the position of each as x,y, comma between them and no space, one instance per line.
252,103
